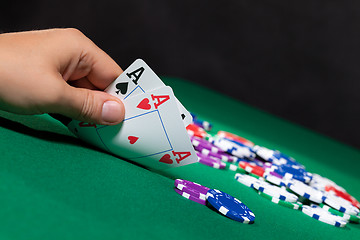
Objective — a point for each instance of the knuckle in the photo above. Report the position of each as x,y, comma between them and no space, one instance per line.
88,109
73,32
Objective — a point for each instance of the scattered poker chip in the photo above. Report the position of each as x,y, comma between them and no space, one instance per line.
233,148
194,130
199,142
276,180
340,204
324,216
190,197
235,137
220,156
293,172
246,179
200,147
306,191
252,168
351,218
212,162
275,191
321,182
280,158
191,188
263,152
292,205
230,206
343,194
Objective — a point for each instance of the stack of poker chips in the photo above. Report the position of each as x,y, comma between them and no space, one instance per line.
274,175
224,203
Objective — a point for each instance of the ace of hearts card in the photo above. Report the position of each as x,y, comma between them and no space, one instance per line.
152,133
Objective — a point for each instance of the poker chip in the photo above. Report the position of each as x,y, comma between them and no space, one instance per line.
292,205
199,142
252,168
220,156
212,162
235,137
306,191
229,206
191,188
280,158
340,204
343,194
233,148
351,218
321,182
324,216
275,191
194,130
190,197
293,172
263,152
276,180
246,179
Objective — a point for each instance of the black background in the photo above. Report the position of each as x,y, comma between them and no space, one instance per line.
297,60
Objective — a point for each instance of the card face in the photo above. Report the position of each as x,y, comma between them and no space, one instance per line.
152,133
137,79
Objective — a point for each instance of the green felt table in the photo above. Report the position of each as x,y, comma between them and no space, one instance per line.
53,186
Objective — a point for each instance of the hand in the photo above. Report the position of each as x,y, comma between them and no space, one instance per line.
58,71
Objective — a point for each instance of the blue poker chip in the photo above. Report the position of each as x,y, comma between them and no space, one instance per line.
230,206
293,172
280,158
234,148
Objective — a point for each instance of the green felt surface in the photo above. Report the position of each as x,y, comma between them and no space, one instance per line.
53,186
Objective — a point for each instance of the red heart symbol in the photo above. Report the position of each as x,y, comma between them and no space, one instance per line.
166,159
132,139
144,104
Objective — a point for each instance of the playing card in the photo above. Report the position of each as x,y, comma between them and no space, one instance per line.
139,78
152,133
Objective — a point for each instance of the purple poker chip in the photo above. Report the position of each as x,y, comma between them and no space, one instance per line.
192,188
212,162
221,156
200,140
212,149
201,144
190,197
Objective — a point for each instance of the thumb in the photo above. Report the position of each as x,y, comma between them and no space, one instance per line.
91,106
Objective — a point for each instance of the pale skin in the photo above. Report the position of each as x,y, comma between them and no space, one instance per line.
58,71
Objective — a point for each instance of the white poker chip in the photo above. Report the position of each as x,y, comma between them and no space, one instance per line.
324,216
233,148
281,182
306,191
320,182
247,180
275,191
340,204
263,152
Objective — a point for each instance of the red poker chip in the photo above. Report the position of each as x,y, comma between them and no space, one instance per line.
235,137
343,195
196,131
252,168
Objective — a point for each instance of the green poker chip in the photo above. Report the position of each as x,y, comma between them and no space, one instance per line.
295,205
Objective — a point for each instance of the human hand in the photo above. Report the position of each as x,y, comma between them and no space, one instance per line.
58,71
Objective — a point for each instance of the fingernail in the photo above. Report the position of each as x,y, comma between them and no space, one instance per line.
111,111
